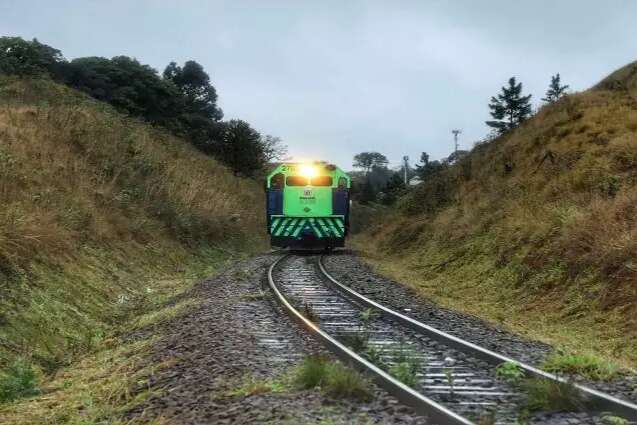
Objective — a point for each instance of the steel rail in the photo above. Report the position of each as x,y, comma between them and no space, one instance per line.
595,401
435,412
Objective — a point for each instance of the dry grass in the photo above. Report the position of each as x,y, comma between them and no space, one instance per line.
102,218
96,390
553,240
77,174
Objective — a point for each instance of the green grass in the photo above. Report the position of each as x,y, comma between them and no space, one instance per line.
68,312
344,382
76,359
17,381
255,386
614,420
406,365
357,341
312,371
405,372
333,378
94,390
94,387
510,372
375,355
549,395
585,365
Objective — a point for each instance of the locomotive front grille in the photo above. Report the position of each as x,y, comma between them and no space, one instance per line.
320,227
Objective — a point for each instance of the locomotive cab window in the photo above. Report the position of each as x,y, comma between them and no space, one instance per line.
321,181
276,182
296,181
342,183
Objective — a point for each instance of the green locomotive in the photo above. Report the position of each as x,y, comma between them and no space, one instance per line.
308,205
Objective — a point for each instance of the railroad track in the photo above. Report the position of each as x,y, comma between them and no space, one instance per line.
451,381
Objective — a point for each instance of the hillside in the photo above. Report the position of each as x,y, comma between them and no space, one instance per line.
102,218
536,229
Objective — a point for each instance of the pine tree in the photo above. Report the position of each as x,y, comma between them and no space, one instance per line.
555,90
509,108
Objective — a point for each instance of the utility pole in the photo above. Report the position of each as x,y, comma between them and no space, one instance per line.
405,167
455,139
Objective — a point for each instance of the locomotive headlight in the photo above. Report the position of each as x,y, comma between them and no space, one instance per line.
307,170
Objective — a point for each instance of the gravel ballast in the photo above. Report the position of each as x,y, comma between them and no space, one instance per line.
348,268
234,335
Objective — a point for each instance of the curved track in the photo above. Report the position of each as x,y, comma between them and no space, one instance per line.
450,380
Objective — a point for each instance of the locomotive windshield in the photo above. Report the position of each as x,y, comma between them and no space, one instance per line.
304,181
321,181
296,181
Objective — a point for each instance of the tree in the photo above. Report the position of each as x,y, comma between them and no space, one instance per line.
130,86
368,160
367,192
240,148
199,113
183,100
394,188
424,162
28,58
273,148
555,90
194,84
426,168
509,108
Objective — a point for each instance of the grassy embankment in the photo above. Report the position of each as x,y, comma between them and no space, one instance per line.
102,219
536,229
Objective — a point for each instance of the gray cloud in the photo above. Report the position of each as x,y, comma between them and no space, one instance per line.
334,78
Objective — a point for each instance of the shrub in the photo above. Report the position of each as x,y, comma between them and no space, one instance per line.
19,380
610,185
343,381
549,395
311,372
334,378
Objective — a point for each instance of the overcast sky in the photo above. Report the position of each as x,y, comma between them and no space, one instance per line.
333,78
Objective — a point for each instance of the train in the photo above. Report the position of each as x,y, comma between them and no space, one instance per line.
308,205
